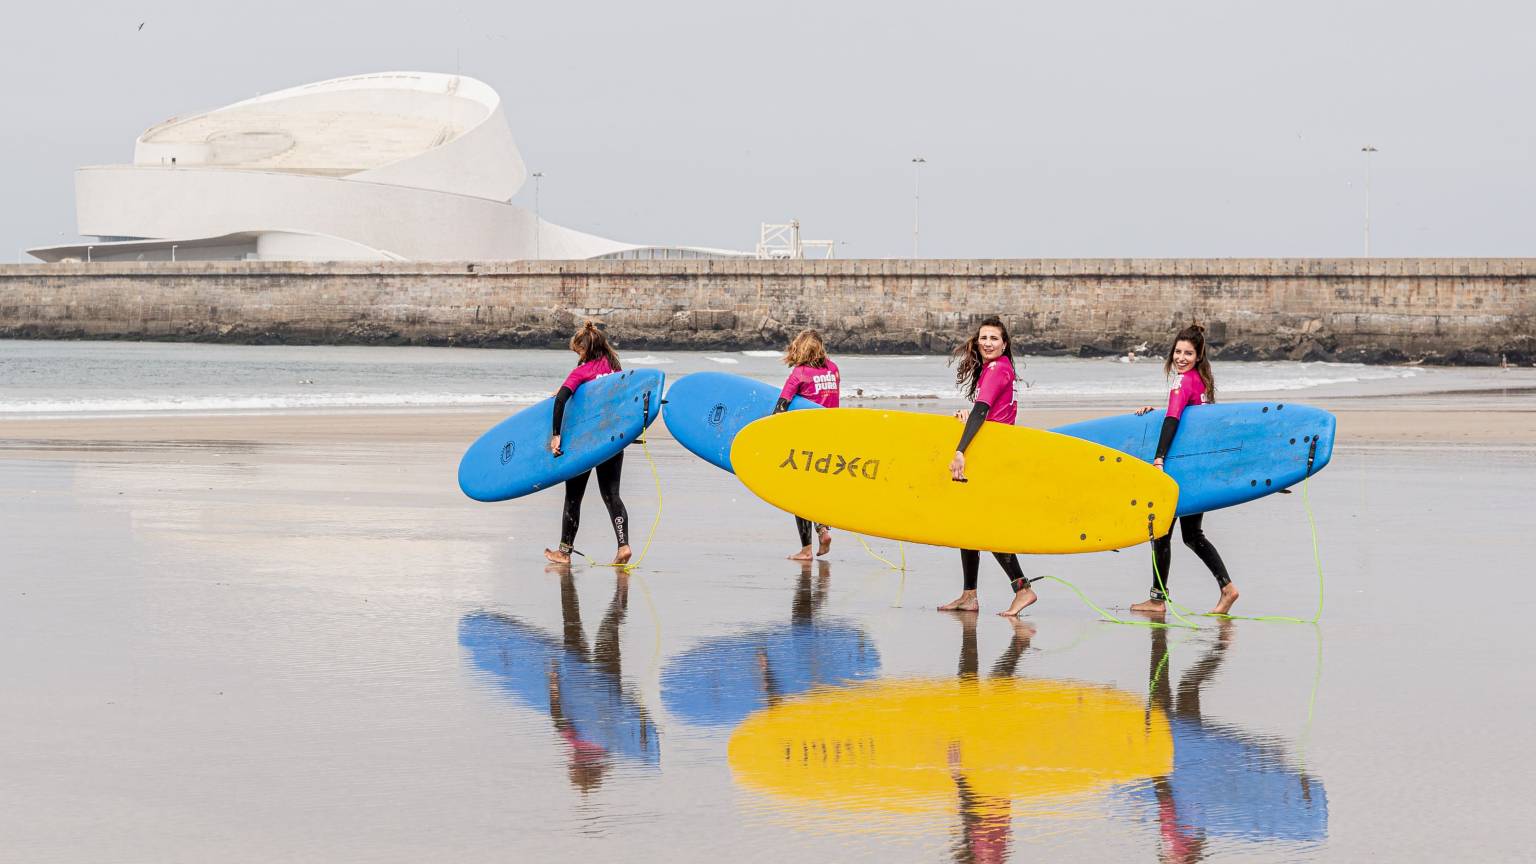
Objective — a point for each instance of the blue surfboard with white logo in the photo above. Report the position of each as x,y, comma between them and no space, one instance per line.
604,416
1224,454
705,410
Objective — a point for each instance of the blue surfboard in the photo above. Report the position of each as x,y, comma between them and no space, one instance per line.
705,410
1224,454
1227,784
723,680
602,418
535,668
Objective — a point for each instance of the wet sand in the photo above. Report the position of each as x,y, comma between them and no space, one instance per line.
260,638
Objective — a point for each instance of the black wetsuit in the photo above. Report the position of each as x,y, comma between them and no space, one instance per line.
970,559
1190,528
803,526
609,475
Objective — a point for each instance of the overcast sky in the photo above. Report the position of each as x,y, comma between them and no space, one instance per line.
1066,129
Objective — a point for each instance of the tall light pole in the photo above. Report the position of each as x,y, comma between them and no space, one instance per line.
538,221
1367,150
917,163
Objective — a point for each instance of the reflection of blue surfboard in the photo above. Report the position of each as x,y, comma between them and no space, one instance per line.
602,418
705,410
723,680
1227,453
1229,786
522,658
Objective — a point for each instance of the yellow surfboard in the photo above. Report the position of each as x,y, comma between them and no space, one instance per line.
886,474
899,746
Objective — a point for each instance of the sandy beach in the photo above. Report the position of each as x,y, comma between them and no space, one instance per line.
276,637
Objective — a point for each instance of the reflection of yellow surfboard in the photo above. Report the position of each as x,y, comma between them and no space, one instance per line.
886,473
898,746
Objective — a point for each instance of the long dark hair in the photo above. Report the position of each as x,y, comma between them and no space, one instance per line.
591,343
1194,334
967,358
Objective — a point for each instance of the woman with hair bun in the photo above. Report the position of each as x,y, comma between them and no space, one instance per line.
1195,385
596,358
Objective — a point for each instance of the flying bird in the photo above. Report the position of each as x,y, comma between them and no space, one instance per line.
141,25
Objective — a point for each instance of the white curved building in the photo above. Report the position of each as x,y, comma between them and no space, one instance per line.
392,166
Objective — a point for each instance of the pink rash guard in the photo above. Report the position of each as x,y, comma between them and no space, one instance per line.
818,384
586,372
1189,391
996,389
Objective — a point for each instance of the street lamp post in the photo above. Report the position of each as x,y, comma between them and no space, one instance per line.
538,221
917,163
1368,150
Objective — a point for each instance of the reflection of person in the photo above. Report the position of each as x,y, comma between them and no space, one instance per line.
1181,843
802,611
985,372
985,821
596,359
1194,386
589,761
1224,782
813,375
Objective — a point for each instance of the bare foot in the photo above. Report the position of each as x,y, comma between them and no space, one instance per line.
557,557
623,555
826,542
966,602
803,555
1228,597
1151,607
1022,599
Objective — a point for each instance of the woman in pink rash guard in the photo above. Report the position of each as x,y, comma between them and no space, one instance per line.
985,372
596,358
1194,386
812,375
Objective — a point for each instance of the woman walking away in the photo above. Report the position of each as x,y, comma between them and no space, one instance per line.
595,359
1193,386
812,374
985,372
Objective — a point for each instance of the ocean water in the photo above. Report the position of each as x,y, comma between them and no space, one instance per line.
116,378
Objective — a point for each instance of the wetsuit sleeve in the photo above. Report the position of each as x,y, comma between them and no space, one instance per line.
781,406
1165,440
978,416
562,396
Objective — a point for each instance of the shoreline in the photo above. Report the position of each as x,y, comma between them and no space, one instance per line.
1363,421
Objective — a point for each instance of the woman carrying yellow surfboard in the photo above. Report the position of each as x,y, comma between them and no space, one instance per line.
813,375
985,372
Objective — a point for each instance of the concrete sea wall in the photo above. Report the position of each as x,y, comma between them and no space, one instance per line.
1377,310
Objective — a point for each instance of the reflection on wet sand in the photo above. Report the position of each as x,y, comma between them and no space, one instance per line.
721,681
1225,782
599,717
921,745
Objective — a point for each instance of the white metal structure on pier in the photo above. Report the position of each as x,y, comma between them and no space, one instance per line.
390,166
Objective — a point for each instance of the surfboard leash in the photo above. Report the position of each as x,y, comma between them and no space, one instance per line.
882,559
1317,559
1110,617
